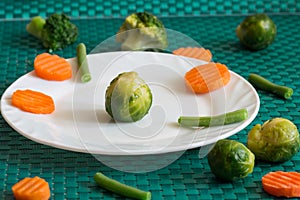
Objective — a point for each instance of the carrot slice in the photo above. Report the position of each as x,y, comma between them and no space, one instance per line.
52,67
33,101
194,52
282,184
34,188
208,77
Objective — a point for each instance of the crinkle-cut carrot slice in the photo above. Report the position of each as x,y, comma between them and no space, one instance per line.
34,188
33,101
194,52
52,67
208,77
282,184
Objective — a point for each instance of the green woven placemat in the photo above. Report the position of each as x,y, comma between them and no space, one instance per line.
115,8
70,174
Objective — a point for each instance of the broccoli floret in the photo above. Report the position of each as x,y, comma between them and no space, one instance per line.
56,32
141,31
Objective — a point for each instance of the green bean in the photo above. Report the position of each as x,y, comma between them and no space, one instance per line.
261,83
120,188
217,120
83,63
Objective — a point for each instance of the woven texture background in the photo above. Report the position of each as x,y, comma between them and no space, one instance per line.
70,174
116,8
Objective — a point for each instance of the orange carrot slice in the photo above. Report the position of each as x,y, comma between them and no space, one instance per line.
282,184
194,52
33,101
208,77
52,67
34,188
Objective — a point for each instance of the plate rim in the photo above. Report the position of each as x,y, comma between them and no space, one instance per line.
83,149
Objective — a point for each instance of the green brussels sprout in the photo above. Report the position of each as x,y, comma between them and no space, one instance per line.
230,160
277,140
128,98
256,31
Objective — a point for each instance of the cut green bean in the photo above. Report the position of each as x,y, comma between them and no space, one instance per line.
217,120
120,188
261,83
83,63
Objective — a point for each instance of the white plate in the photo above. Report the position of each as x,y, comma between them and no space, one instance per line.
81,124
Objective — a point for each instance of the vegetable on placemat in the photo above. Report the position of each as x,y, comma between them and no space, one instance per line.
52,67
277,140
128,98
56,32
230,160
208,77
142,31
217,120
282,184
120,188
256,31
33,101
260,82
83,63
194,52
34,188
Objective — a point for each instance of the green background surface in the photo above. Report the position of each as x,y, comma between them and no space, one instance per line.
212,24
115,8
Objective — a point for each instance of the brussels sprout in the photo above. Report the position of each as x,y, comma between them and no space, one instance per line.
277,140
230,160
128,98
256,31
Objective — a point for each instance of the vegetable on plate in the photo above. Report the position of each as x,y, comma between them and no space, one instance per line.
256,31
208,77
277,140
52,67
34,188
120,188
128,98
230,160
194,52
217,120
260,82
142,31
33,101
55,33
83,63
282,184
